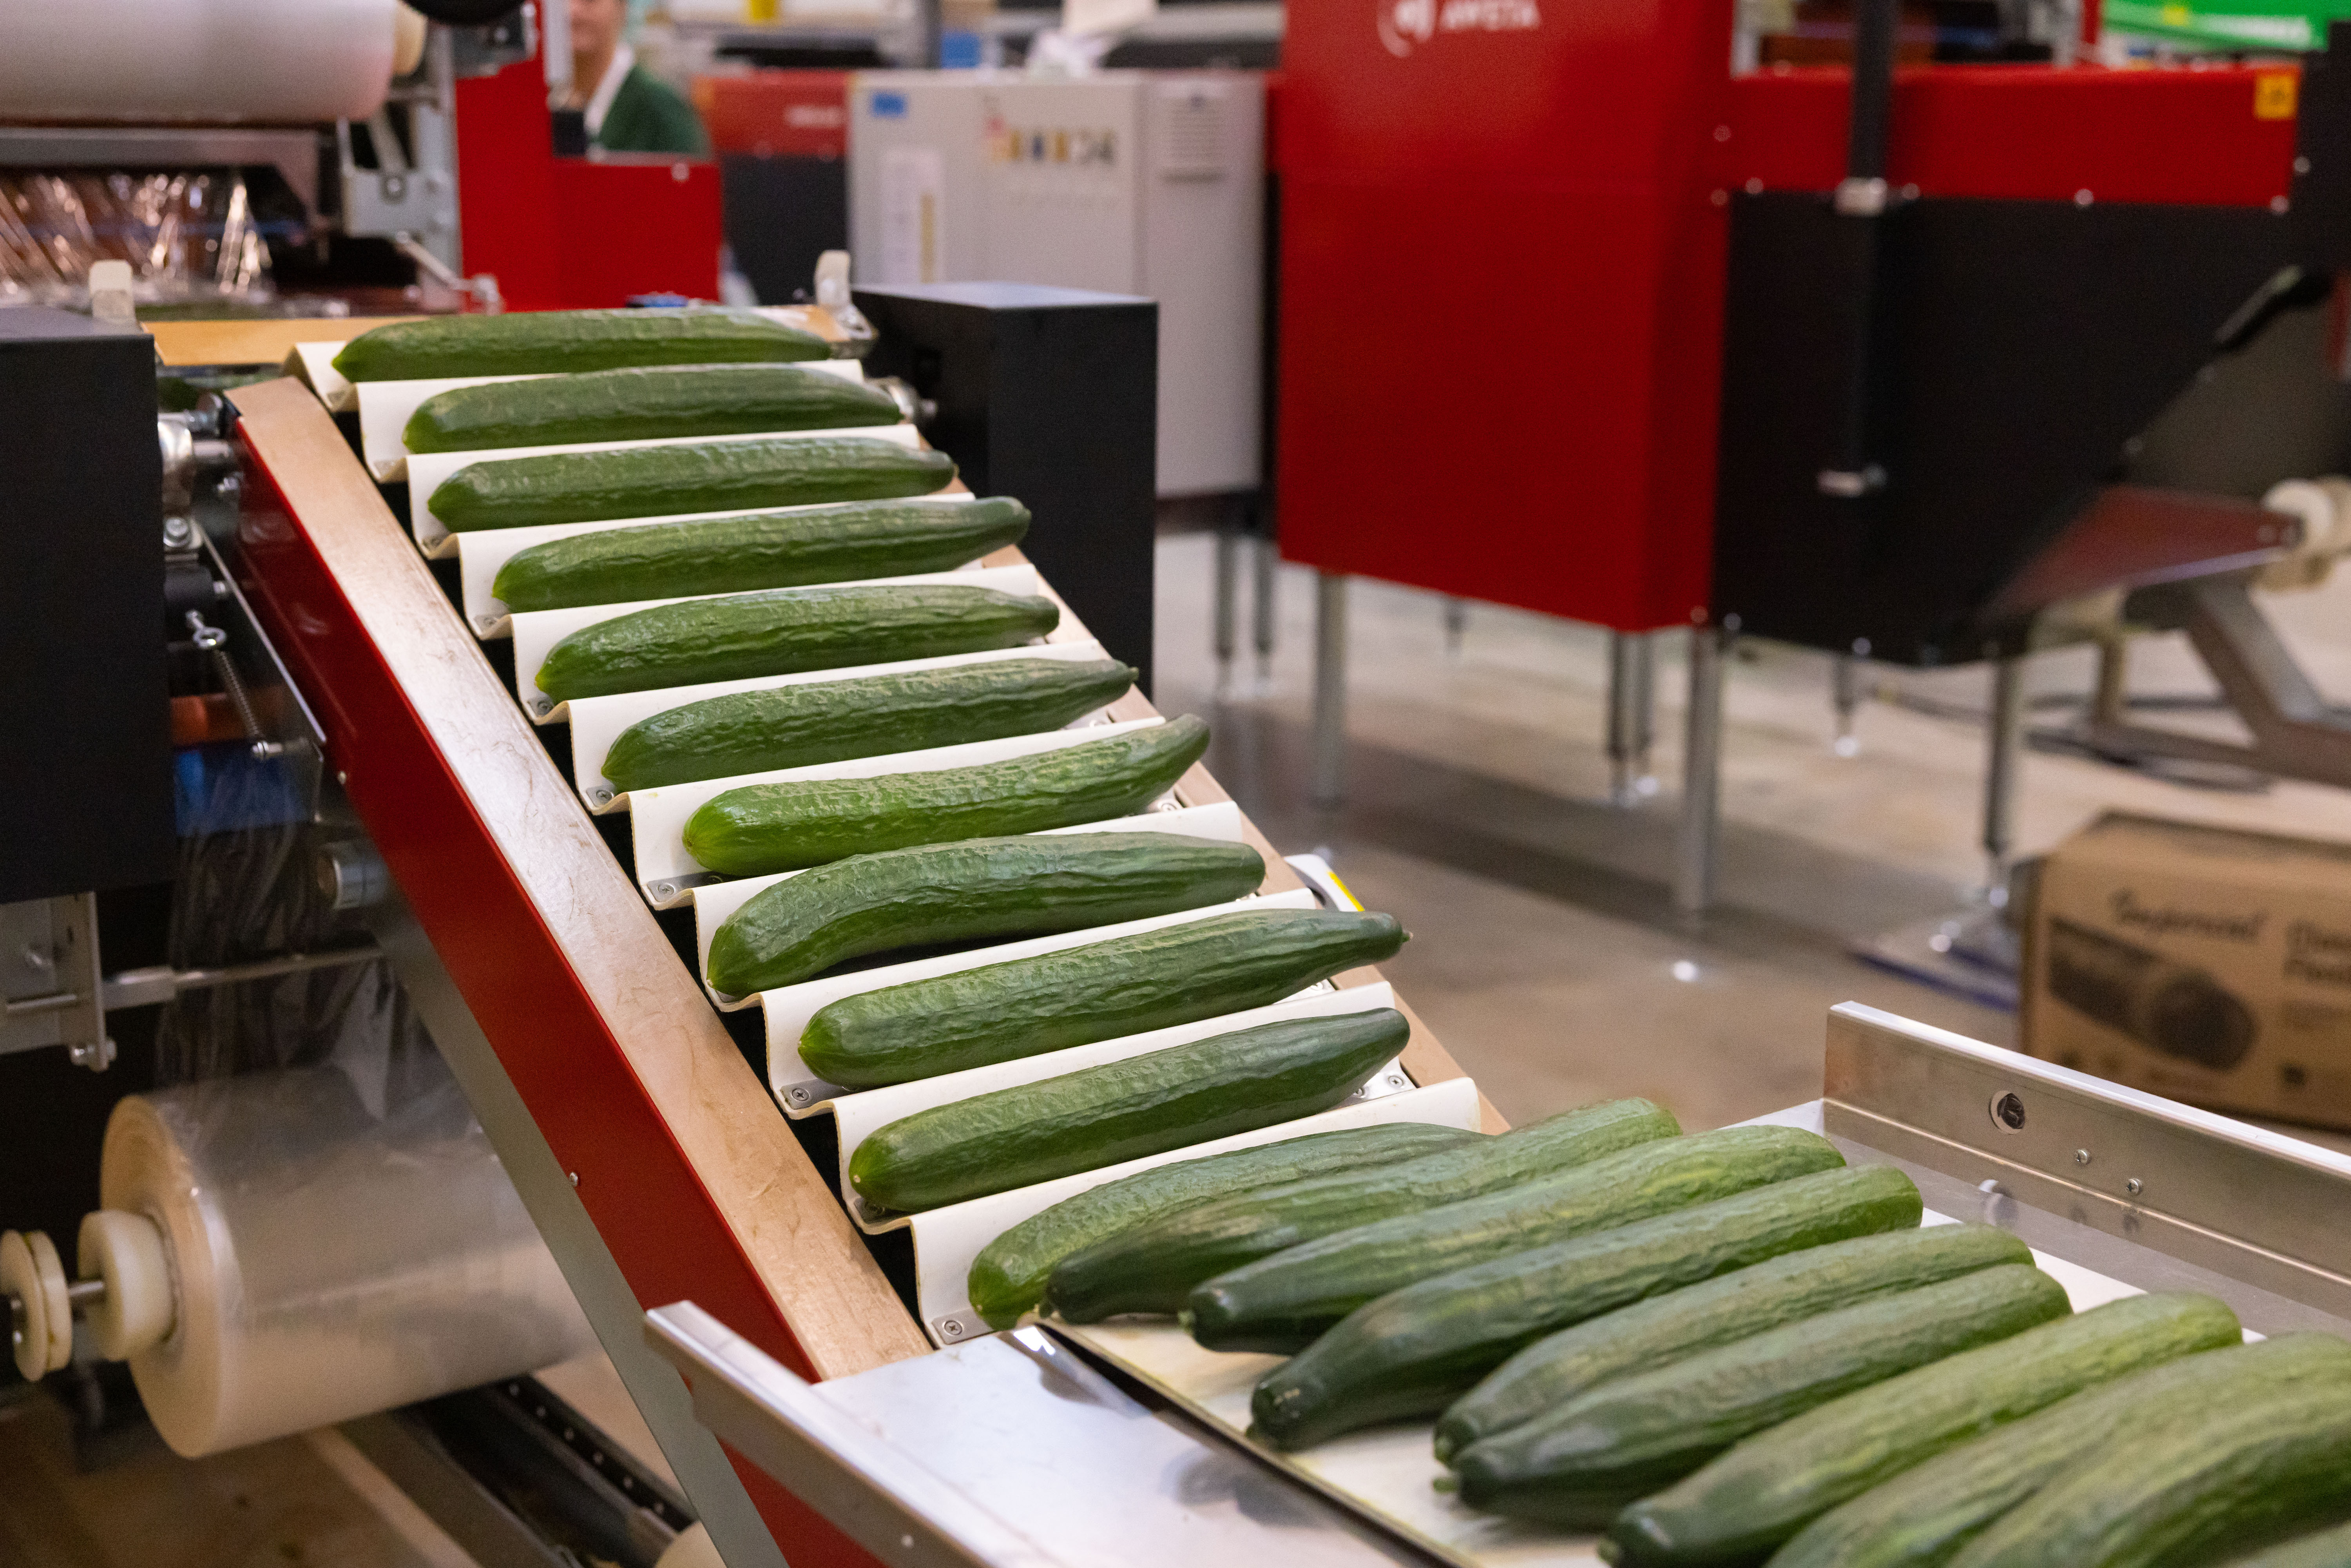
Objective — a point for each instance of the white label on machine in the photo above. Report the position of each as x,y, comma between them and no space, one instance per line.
913,215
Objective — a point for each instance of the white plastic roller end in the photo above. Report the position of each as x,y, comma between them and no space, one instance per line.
126,1251
41,1325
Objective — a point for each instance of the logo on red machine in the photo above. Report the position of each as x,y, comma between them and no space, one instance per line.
1405,23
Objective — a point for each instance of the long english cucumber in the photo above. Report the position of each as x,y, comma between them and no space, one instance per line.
544,343
1152,1269
1102,990
1022,887
1119,1111
755,829
596,485
1756,1296
1287,1301
1007,1278
2326,1549
643,403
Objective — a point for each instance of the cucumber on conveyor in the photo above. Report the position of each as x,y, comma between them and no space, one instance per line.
1104,991
1770,1486
1409,1352
757,549
1580,1465
1754,1297
2326,1549
1120,1111
596,485
2248,1470
1008,1276
784,630
1922,1517
1020,887
755,829
870,716
1286,1302
1153,1267
555,342
643,403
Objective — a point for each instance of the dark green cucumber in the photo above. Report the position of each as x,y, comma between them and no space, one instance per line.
1580,1465
757,549
2248,1470
692,476
1754,1297
1414,1349
1104,991
2327,1548
755,829
643,403
1121,1111
1925,1515
1026,886
555,342
1007,1278
1769,1487
1286,1302
1153,1269
871,716
785,631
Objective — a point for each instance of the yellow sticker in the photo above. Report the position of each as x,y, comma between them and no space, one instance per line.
2178,15
2273,95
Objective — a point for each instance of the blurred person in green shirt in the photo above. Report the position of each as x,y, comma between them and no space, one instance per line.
627,108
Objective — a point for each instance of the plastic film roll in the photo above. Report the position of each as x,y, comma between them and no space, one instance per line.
2179,1010
278,61
327,1263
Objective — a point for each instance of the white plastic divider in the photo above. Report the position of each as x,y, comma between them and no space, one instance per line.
948,1239
714,905
315,363
426,470
801,1093
657,818
538,630
859,1116
597,722
481,553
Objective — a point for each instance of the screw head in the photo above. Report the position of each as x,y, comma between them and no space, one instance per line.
575,1178
2133,1187
2081,1157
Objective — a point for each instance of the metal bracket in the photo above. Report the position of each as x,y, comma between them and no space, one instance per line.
51,992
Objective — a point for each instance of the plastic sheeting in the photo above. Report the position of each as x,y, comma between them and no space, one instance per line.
185,236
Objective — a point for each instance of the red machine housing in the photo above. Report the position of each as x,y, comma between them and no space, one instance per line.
1504,229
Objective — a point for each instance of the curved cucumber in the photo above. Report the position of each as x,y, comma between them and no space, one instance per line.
1923,1516
805,925
1007,1278
1774,1483
695,477
1286,1302
1119,1111
643,403
761,827
1582,1463
2327,1548
1153,1269
546,342
759,549
1128,985
785,631
871,715
1758,1296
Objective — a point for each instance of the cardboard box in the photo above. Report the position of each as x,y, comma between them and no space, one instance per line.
2203,964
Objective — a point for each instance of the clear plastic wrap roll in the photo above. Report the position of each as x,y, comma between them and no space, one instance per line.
327,1263
275,62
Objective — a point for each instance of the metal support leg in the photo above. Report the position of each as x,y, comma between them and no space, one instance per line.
1694,872
1456,623
1330,687
1644,712
1844,692
2005,750
1622,699
1266,557
1228,543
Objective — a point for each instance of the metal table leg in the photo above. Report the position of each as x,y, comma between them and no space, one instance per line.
1228,543
1330,687
1694,872
2005,750
1266,557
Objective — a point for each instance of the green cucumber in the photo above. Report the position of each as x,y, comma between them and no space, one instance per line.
643,403
591,486
757,549
785,631
1769,1487
1580,1464
1120,1111
1756,1296
1284,1302
554,342
1925,1515
1102,990
2247,1469
1412,1350
1026,886
870,716
1153,1269
755,829
2327,1548
1007,1278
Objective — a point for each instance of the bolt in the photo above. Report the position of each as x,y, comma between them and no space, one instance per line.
178,533
575,1178
2133,1187
2081,1157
